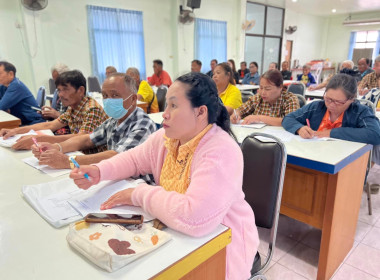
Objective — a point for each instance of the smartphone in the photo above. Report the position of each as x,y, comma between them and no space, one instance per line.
35,108
114,218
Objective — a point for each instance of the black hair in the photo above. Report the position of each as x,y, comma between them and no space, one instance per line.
228,71
197,62
158,62
233,64
275,64
255,63
203,91
75,78
216,61
8,67
243,62
344,82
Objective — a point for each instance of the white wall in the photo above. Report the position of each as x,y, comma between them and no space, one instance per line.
62,36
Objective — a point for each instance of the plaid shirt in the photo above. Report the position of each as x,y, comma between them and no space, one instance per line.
130,133
85,118
255,105
370,81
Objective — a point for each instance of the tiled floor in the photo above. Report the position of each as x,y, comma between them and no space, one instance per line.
297,247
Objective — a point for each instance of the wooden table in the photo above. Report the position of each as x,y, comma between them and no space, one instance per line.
8,121
33,249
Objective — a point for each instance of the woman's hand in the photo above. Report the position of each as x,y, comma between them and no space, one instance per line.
235,117
78,176
323,133
306,132
251,119
120,198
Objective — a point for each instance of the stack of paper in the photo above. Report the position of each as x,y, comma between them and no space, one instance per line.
62,202
12,140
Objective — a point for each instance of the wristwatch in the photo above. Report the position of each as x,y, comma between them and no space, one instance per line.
72,166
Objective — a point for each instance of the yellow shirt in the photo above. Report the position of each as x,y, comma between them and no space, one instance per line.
231,97
175,173
147,94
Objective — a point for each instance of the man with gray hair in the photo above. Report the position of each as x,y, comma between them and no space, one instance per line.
371,80
128,127
58,69
144,91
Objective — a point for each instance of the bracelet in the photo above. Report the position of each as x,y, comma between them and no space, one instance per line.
60,147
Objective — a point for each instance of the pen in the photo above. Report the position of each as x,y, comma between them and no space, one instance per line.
77,166
36,143
308,122
236,117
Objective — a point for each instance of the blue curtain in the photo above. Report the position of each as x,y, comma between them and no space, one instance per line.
376,51
116,39
210,41
352,45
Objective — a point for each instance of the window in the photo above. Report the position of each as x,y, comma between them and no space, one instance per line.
366,39
263,41
116,39
210,41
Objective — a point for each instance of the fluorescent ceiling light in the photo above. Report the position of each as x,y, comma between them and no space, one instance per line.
361,22
333,10
294,0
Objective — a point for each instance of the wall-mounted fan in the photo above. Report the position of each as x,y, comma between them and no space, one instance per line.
290,29
248,24
34,5
185,16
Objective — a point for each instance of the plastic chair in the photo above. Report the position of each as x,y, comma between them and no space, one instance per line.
161,97
245,95
297,88
368,103
317,75
93,84
263,179
301,100
41,97
52,87
373,95
54,100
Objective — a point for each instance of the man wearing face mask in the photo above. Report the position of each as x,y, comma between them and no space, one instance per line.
127,127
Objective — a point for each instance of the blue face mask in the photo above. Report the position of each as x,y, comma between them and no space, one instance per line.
114,107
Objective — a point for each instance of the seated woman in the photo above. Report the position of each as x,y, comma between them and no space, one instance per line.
231,63
339,115
270,104
225,83
198,167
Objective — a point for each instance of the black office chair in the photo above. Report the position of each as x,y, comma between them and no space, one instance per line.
161,97
93,84
301,100
41,97
297,88
263,178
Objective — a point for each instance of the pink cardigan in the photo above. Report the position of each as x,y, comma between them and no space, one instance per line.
214,195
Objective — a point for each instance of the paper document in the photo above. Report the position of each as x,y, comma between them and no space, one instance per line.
283,135
90,201
12,140
33,161
314,139
252,125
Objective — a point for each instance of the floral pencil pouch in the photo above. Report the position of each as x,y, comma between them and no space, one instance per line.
112,246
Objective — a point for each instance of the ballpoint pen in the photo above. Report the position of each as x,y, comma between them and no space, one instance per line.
36,143
78,166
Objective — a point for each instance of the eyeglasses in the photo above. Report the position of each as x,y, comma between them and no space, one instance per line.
336,102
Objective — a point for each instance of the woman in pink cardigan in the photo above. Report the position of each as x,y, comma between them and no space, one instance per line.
199,170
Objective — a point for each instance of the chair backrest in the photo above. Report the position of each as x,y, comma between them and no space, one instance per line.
41,97
373,95
245,95
301,100
51,86
317,75
54,100
368,103
161,97
297,88
264,170
93,84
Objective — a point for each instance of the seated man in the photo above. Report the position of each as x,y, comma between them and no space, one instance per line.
371,80
110,70
196,65
253,77
286,74
363,67
213,64
15,97
144,91
243,69
128,127
160,76
273,66
83,114
306,77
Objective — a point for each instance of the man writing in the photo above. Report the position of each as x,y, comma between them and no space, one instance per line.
83,115
128,127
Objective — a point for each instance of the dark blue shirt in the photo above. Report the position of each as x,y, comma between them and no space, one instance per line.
18,99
